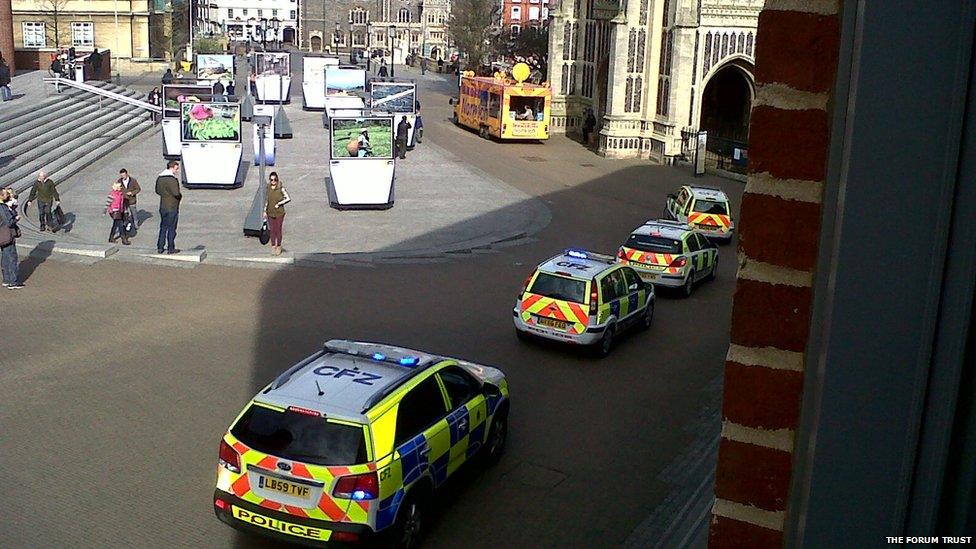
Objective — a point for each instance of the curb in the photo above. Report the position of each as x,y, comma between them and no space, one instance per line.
53,247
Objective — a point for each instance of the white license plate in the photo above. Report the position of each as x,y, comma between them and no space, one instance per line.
648,276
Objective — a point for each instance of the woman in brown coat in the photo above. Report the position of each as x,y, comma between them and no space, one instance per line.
274,211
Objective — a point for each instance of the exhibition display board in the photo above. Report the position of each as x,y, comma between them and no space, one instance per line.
344,91
215,67
269,140
399,99
313,80
173,95
210,135
361,162
272,76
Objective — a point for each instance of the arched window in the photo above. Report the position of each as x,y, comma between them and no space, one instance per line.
740,47
564,80
641,46
403,16
628,92
749,45
358,16
631,50
359,38
708,52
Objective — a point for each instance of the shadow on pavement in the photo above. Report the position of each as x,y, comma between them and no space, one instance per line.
38,255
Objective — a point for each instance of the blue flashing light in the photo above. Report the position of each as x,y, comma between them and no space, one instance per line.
361,495
409,361
577,254
379,356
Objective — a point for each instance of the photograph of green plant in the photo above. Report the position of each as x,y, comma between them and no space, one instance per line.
211,122
362,138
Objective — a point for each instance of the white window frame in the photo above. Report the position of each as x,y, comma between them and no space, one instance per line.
292,14
515,30
75,26
516,13
33,33
532,10
230,13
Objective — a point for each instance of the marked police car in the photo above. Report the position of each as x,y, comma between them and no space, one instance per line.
351,442
583,298
705,208
670,253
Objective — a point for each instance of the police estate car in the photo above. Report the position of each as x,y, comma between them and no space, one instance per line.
583,298
705,208
351,442
670,253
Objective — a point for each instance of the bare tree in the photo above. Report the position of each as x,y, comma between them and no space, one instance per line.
54,10
474,27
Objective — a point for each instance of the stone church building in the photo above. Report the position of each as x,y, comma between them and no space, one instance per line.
652,69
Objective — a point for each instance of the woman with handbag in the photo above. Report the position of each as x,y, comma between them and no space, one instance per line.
9,232
274,211
115,208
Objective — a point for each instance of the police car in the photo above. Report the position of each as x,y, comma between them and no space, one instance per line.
670,253
351,442
583,298
705,208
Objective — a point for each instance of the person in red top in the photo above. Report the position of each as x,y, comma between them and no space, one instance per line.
114,208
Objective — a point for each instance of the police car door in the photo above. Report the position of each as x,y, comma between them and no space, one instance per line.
422,440
468,417
708,251
678,206
697,254
636,294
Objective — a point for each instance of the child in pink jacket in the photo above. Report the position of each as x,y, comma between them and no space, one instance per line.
114,209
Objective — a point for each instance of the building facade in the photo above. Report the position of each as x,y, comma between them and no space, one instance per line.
40,27
520,14
254,20
652,70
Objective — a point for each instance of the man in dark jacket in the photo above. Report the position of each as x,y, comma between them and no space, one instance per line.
5,94
130,188
402,132
218,92
168,189
46,194
168,77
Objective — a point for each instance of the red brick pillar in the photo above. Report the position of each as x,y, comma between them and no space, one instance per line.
796,61
7,34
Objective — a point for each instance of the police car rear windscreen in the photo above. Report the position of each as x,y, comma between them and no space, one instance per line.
300,437
711,207
654,244
557,287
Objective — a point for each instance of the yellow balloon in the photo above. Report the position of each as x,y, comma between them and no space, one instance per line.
520,72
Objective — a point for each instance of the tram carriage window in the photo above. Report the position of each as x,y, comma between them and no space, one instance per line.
526,108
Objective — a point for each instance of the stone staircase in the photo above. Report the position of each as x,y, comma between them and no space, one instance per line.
62,133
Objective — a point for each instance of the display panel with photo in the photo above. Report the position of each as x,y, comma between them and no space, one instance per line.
173,95
313,68
344,81
362,138
215,67
393,96
268,64
211,122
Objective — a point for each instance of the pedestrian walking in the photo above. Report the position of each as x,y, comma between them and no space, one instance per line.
46,194
402,131
589,123
114,208
383,72
95,61
5,78
156,98
168,189
252,81
274,211
9,233
423,65
168,77
130,188
230,90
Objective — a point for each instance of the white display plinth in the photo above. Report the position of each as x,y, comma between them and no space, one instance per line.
273,88
361,183
211,165
269,140
171,138
344,106
313,95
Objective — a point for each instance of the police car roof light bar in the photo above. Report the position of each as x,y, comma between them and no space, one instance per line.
583,254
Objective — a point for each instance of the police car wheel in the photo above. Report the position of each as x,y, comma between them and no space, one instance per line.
605,345
711,274
522,336
410,523
497,434
689,285
648,316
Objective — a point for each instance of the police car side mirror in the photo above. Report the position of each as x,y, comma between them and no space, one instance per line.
490,390
633,287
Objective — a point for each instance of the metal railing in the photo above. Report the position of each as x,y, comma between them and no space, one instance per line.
720,152
103,93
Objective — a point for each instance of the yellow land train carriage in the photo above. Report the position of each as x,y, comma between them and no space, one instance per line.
503,108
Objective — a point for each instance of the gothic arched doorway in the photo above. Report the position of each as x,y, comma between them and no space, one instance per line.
315,43
727,104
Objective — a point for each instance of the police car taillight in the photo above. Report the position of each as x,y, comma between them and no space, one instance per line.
593,297
357,487
229,458
679,262
621,254
525,285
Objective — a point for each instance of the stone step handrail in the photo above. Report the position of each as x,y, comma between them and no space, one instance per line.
56,81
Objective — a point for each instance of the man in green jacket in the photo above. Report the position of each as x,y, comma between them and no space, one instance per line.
168,189
46,194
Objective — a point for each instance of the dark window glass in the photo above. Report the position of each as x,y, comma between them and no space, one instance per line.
693,245
654,244
619,284
422,407
461,386
559,287
301,437
711,207
631,278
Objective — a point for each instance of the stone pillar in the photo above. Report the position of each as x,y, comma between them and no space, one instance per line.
7,34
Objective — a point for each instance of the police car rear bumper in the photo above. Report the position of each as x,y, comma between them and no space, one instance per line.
589,337
660,279
362,532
